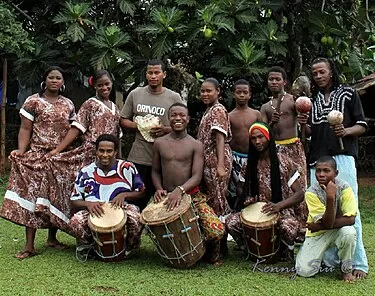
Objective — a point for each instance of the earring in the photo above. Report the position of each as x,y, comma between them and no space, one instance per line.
62,88
43,85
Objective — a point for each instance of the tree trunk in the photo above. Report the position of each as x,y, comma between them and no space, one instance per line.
3,121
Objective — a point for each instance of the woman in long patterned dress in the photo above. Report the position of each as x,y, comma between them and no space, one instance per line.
215,134
45,121
97,116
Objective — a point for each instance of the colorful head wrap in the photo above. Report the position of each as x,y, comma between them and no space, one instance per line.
263,128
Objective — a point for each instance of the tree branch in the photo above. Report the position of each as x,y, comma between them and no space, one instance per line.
21,11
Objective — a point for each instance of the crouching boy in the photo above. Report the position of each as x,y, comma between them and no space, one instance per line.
332,210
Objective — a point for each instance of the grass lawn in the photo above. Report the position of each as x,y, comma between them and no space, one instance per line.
58,273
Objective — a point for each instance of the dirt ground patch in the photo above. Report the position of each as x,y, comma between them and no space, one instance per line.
366,181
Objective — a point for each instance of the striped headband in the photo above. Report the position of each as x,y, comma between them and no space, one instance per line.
261,127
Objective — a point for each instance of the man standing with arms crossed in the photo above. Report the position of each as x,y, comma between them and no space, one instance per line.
153,99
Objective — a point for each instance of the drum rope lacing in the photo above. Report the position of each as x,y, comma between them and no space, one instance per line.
169,235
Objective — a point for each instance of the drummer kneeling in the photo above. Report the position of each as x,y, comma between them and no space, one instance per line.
272,178
108,180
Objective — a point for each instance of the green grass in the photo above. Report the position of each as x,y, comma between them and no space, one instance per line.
58,273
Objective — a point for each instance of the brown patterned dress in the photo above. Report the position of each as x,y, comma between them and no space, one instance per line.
94,118
30,175
216,120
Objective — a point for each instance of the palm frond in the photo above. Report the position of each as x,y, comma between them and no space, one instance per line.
161,46
126,7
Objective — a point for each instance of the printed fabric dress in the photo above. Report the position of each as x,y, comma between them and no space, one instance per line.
215,120
30,175
93,119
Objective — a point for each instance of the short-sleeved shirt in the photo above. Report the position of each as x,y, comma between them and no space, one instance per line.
141,102
51,121
92,184
94,118
215,119
323,139
316,200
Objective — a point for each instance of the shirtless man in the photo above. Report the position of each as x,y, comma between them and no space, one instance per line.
284,120
177,168
241,118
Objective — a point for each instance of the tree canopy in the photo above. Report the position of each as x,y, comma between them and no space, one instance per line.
226,39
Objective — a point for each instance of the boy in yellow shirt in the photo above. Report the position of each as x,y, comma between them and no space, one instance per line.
332,210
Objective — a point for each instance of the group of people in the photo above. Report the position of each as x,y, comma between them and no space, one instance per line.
238,158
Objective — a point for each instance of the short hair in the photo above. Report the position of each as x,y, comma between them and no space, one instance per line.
178,105
156,62
277,69
328,159
213,81
108,138
99,74
241,82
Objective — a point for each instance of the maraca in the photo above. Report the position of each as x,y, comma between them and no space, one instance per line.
335,117
303,105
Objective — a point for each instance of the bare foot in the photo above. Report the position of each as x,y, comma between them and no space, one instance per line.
57,245
359,274
348,278
25,254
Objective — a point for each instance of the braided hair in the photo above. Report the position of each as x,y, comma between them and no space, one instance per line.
335,74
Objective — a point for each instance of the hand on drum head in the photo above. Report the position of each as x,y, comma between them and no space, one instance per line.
159,194
119,200
173,200
270,208
250,200
95,208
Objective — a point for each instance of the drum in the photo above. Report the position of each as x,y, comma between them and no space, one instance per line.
260,232
109,233
176,234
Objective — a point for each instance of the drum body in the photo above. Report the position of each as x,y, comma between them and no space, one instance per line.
109,233
261,233
176,234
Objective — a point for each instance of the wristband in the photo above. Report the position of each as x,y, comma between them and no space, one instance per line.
182,189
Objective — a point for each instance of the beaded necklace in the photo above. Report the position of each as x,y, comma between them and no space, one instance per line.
281,100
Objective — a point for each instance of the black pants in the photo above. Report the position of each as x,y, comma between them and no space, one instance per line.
145,173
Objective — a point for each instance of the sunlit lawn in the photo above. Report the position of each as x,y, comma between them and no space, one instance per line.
57,273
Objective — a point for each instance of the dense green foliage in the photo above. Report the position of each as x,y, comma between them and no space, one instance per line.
227,39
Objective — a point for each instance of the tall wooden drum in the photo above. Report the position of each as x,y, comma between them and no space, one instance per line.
109,233
261,232
176,234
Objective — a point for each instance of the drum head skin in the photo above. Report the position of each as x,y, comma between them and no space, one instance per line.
156,213
253,216
112,219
